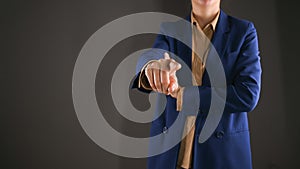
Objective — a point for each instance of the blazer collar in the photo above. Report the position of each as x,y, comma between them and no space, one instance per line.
219,39
223,23
223,27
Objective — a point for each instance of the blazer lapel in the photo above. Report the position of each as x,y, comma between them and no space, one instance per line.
219,42
184,51
220,37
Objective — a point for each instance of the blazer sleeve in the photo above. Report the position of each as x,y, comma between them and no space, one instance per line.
157,51
243,92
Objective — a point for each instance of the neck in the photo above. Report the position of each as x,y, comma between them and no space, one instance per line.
205,14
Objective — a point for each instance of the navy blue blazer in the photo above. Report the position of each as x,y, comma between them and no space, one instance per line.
236,42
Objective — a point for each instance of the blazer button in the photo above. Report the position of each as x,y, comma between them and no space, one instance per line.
219,134
165,129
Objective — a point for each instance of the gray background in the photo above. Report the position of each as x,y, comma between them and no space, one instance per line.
40,41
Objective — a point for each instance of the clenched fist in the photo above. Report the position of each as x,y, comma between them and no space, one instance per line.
161,75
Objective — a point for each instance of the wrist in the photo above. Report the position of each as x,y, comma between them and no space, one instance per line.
176,93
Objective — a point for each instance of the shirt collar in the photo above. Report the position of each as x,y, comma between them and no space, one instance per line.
213,23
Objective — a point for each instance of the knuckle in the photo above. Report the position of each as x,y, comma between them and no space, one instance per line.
155,63
150,66
148,71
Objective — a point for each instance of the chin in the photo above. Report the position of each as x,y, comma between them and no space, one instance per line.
203,2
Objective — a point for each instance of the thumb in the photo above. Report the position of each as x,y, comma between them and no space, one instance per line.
166,55
175,66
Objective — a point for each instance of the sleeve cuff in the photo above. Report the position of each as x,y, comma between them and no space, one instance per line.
143,81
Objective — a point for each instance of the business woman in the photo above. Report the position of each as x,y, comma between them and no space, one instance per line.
236,43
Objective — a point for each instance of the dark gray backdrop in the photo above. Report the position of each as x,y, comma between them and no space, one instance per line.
40,41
